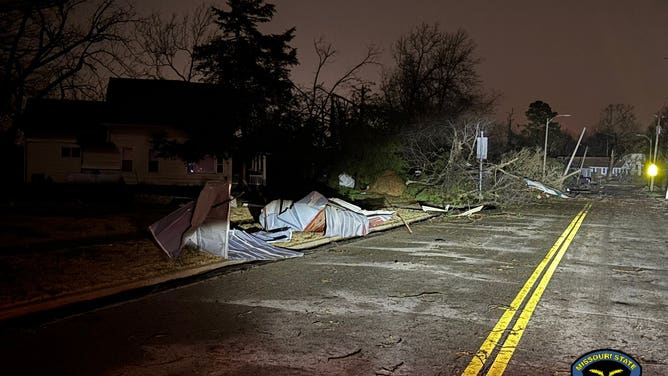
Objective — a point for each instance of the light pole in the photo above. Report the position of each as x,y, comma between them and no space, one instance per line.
658,132
656,148
649,161
547,127
649,156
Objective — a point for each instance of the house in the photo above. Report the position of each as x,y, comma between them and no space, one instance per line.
112,140
599,166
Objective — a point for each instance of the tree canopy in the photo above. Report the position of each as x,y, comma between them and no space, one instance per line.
615,131
537,115
253,67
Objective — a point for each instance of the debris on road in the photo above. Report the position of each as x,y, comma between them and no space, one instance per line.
384,371
205,224
545,188
427,208
470,211
316,213
344,356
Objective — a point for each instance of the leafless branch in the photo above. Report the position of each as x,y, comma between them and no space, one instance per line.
49,47
164,45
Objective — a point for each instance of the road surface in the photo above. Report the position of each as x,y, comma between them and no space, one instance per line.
514,292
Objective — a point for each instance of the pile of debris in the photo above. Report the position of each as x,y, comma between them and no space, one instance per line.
205,224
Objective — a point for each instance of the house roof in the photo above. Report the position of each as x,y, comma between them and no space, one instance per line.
164,102
596,162
129,102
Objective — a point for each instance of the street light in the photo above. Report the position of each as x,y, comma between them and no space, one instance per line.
547,127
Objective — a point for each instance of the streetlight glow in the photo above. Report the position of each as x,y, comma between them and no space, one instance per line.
547,127
652,170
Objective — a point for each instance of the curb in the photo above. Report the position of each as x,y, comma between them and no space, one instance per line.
26,308
31,307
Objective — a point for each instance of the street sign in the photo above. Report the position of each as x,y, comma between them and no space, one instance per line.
482,148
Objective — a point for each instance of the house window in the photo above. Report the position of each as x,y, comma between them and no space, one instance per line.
257,163
207,165
220,165
70,152
126,161
153,162
256,175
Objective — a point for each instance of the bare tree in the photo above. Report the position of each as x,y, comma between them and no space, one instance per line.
62,48
323,107
318,97
615,132
434,75
164,46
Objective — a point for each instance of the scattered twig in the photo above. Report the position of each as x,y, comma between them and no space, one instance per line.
415,295
390,344
635,270
240,314
389,370
405,223
345,356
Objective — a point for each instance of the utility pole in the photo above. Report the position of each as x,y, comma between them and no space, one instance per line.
547,129
656,141
568,167
656,148
509,140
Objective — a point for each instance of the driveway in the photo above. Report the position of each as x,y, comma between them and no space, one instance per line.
420,303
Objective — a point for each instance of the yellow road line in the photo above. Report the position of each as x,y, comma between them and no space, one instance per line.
485,351
510,344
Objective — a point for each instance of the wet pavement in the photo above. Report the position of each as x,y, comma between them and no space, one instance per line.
396,303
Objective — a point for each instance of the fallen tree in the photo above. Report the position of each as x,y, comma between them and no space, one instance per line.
446,171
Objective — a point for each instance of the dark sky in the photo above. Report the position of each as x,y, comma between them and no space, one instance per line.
576,55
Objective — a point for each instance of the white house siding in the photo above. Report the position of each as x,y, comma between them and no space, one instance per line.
101,160
44,159
170,171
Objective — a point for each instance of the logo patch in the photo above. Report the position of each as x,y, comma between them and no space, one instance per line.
606,363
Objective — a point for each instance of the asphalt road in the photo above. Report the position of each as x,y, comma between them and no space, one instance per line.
554,281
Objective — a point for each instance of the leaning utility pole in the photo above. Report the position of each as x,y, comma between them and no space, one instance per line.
568,167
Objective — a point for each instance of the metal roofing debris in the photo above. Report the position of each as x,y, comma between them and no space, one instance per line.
470,211
205,224
545,188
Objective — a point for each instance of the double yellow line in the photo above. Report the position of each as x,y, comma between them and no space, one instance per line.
552,258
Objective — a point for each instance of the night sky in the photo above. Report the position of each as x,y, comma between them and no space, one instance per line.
578,56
